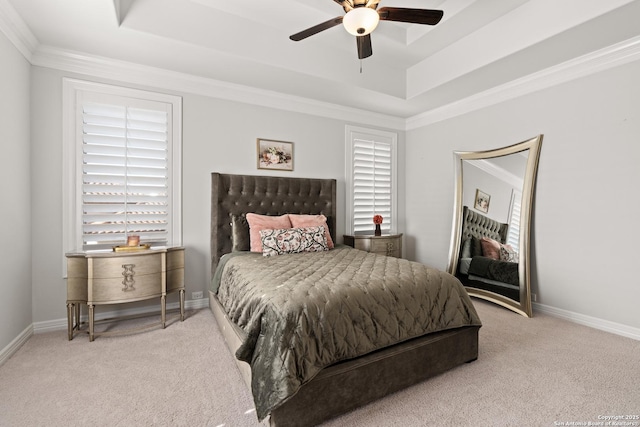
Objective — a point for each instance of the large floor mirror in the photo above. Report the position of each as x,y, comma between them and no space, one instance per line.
489,250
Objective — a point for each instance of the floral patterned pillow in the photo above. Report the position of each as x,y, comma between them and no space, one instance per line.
293,240
300,221
264,222
507,253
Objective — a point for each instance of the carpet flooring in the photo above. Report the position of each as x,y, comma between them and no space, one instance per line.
542,371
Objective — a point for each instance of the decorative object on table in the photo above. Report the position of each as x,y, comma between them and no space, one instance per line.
133,240
275,155
128,248
377,220
482,201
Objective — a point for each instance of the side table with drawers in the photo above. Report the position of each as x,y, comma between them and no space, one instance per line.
101,278
387,244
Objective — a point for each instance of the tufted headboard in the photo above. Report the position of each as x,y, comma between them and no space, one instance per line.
478,225
233,196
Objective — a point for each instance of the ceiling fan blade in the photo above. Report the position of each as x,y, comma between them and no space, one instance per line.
347,5
415,16
372,4
364,46
316,29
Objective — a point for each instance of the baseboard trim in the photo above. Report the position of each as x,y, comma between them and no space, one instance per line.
14,345
61,324
194,304
592,322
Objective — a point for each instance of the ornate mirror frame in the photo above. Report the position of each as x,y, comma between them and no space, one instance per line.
523,306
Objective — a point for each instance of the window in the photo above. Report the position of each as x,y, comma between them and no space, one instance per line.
513,235
371,179
122,166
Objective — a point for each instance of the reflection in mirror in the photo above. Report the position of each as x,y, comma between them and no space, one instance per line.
490,240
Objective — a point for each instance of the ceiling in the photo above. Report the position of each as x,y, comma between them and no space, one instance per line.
479,45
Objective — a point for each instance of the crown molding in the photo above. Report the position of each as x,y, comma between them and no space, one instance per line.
498,172
19,34
122,71
591,63
609,57
14,27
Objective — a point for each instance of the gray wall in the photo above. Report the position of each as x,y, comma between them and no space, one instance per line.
218,136
15,182
499,190
584,232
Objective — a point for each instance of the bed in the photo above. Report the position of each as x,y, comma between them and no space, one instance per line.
321,390
496,271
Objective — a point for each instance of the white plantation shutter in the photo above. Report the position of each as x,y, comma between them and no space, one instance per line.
513,236
371,186
125,175
122,166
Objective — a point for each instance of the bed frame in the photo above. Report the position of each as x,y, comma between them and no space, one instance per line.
346,385
477,225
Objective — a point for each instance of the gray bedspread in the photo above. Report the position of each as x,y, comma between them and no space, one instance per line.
304,312
502,271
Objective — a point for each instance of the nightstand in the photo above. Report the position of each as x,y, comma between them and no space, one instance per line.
387,244
101,278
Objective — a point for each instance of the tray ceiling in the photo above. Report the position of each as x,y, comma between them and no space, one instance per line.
479,45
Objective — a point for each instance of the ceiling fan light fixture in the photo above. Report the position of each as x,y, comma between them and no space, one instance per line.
361,21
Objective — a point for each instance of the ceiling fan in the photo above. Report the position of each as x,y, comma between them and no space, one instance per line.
362,18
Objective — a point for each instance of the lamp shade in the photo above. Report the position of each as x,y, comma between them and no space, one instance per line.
361,21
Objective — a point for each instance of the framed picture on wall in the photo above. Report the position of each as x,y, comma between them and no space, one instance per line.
482,201
275,155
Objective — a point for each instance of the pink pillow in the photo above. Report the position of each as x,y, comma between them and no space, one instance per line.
490,248
264,222
302,221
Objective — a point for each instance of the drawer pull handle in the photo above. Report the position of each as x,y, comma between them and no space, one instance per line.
390,248
128,281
